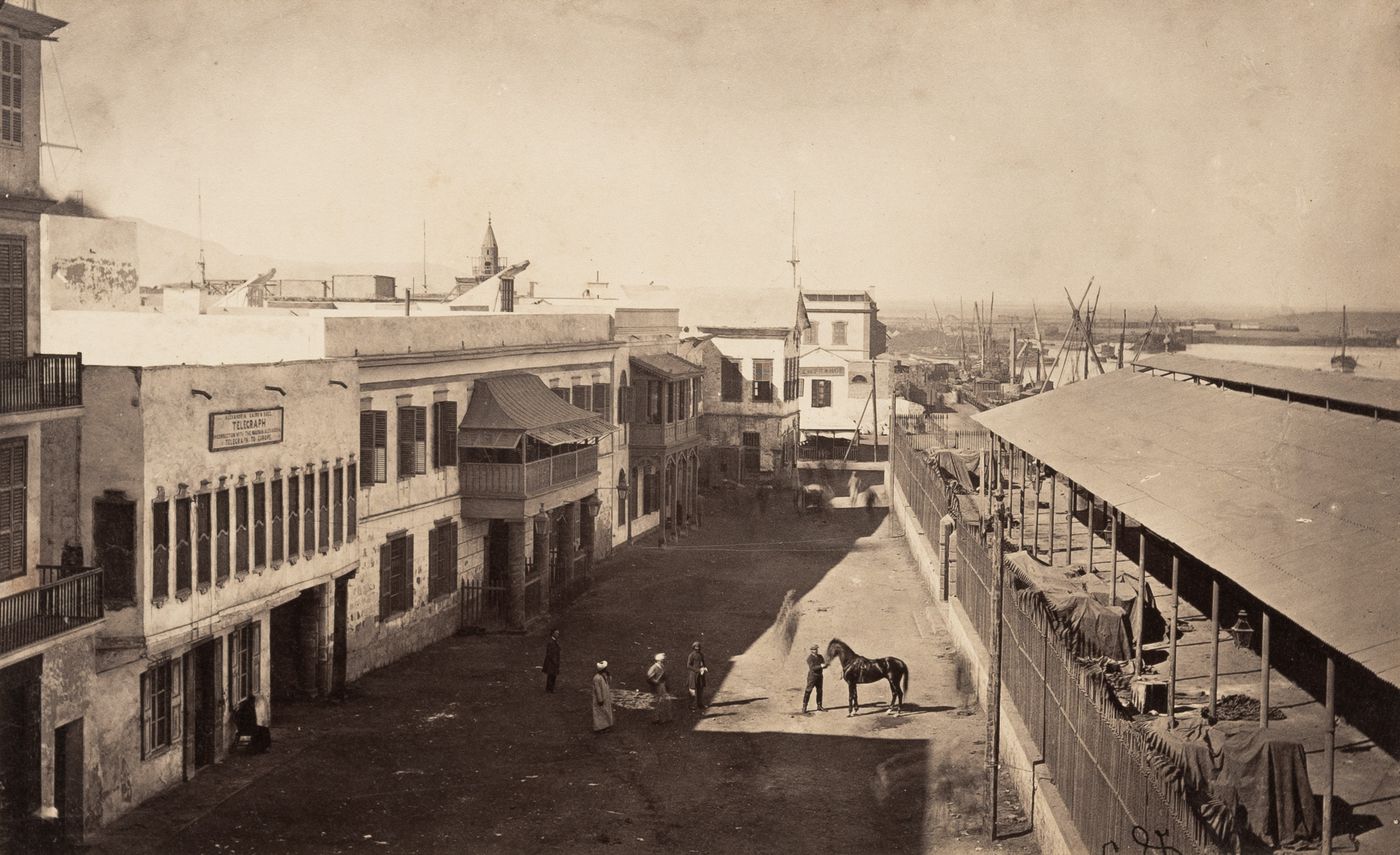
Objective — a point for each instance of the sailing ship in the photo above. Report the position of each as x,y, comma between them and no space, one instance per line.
1341,362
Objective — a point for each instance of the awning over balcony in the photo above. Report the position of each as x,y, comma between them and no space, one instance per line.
505,408
667,365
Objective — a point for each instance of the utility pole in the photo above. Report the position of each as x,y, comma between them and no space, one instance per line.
794,260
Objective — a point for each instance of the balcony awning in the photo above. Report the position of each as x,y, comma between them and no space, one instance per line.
667,365
507,407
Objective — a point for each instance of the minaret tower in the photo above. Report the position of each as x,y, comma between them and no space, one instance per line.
490,254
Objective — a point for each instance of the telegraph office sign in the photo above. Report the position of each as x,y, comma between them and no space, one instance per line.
243,428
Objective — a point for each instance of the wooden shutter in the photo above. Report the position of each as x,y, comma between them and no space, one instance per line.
386,580
367,447
420,440
177,705
602,400
444,434
255,684
308,516
408,572
351,520
148,716
407,429
13,481
12,299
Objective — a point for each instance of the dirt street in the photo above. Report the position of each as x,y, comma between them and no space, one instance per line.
459,749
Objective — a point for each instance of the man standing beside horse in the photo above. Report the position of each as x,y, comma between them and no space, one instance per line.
815,665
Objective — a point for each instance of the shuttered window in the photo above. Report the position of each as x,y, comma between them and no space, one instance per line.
338,514
161,707
277,521
442,560
182,546
240,530
352,522
11,92
308,512
293,516
602,400
13,492
763,379
374,447
244,664
160,550
323,539
204,538
413,441
221,534
12,298
821,393
583,397
395,576
695,393
444,434
260,524
562,392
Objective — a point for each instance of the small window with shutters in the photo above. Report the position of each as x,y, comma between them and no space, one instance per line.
240,530
260,524
374,447
395,576
160,551
308,512
442,560
413,441
293,517
338,515
821,393
583,397
221,534
278,513
323,539
182,546
602,401
444,434
11,92
161,707
731,380
13,491
13,298
204,539
352,521
244,664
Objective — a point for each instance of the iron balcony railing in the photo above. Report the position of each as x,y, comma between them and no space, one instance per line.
517,480
665,435
67,598
43,381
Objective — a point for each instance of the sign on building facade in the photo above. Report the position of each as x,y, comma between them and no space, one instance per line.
243,428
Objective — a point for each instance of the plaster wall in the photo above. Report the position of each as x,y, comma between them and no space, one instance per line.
152,337
88,262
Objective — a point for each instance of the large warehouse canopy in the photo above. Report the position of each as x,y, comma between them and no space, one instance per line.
1298,505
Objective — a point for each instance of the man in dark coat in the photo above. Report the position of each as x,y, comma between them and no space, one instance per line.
551,661
815,665
695,664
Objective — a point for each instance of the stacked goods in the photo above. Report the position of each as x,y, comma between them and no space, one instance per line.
1243,708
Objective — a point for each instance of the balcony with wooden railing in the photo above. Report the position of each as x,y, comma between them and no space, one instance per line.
523,480
66,599
664,435
41,381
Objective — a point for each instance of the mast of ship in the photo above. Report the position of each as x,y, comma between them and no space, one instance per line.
1039,345
1123,338
962,331
199,212
1344,332
794,260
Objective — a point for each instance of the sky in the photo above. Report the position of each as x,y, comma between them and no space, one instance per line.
1191,151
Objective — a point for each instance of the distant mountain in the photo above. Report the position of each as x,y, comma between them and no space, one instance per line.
168,255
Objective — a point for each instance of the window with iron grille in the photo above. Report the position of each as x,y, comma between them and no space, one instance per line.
204,538
14,469
352,522
821,393
323,541
338,515
838,332
602,401
13,290
240,530
308,512
395,576
762,380
260,524
731,380
182,546
161,707
442,560
244,664
293,516
413,441
444,434
11,92
278,511
160,550
374,447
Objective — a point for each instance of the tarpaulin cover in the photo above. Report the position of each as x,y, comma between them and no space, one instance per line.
953,465
1252,774
1094,623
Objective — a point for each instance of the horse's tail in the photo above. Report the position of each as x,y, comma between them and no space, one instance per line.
904,691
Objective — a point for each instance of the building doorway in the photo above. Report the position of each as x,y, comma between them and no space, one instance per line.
339,633
204,703
68,778
19,749
752,457
295,628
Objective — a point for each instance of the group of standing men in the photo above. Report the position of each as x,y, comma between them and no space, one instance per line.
657,679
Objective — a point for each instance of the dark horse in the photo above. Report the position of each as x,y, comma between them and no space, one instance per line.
857,669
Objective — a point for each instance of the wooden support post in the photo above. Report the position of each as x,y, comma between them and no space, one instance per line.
1264,670
1113,568
1021,514
1036,546
1071,491
994,675
1053,478
1171,630
1090,497
1329,757
1214,643
1138,606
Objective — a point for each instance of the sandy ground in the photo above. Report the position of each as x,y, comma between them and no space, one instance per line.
459,749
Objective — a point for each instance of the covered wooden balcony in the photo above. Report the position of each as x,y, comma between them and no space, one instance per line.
666,396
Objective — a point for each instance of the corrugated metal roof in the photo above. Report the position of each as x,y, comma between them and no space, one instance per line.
1298,505
667,365
521,404
1373,392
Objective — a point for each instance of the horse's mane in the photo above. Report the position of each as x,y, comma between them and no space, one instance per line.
848,647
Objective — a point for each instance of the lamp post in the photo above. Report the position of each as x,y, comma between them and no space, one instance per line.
623,495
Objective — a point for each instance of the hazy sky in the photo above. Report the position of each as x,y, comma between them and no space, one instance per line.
1177,151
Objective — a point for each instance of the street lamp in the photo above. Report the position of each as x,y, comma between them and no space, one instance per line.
622,496
1242,632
